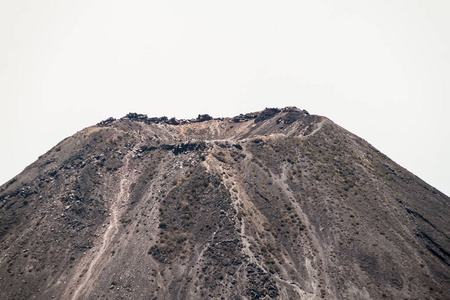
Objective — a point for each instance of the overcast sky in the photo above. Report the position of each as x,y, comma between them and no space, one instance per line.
381,69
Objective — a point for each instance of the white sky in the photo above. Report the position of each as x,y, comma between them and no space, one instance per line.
381,69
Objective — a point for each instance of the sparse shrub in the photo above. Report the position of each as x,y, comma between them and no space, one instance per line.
125,220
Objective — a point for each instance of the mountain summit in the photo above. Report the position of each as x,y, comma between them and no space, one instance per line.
277,204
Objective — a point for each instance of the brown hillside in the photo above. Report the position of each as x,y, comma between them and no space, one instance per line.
277,204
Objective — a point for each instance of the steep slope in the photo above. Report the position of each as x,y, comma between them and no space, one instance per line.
277,204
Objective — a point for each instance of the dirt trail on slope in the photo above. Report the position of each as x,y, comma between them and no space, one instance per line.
94,264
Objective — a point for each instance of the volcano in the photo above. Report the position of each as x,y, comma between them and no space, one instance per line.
276,204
